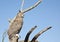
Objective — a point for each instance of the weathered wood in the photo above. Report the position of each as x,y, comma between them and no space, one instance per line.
28,41
28,34
14,39
32,7
38,34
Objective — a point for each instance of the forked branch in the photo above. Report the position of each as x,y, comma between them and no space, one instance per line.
37,35
30,8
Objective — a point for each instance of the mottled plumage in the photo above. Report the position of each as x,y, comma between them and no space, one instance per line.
15,25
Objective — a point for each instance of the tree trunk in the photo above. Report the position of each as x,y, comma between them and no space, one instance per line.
14,39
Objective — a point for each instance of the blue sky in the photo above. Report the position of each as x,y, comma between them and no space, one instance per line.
44,15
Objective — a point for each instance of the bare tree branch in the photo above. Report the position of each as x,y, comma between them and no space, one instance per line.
22,5
28,34
4,35
14,39
30,8
37,35
28,41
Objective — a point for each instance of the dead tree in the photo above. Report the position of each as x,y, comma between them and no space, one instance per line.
36,36
16,25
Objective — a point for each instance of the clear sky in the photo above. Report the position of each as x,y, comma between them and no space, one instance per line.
46,14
